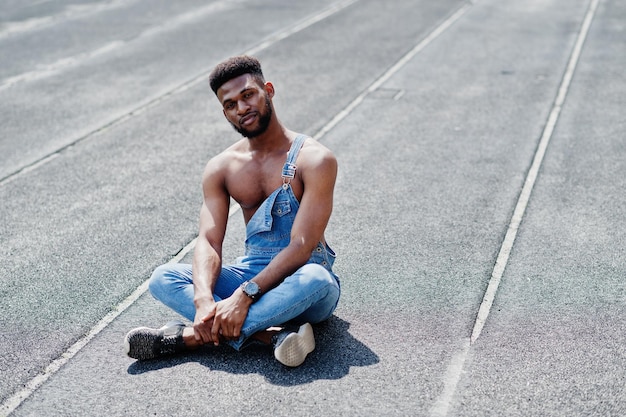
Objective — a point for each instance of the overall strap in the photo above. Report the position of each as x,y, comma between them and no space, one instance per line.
289,169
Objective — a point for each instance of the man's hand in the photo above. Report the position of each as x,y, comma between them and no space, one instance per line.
203,322
230,315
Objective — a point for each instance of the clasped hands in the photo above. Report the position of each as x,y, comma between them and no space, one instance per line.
222,320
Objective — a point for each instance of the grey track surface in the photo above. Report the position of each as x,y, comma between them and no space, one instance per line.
106,122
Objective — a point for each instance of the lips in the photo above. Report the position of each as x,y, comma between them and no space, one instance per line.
247,119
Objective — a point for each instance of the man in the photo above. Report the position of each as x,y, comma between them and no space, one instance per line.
284,184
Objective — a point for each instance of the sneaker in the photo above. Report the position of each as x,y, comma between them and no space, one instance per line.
145,343
291,347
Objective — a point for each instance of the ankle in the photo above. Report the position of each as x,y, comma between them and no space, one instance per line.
266,336
189,338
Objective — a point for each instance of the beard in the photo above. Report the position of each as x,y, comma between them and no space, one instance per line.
264,122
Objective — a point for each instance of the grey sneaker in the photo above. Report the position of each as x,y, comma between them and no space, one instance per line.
292,347
145,343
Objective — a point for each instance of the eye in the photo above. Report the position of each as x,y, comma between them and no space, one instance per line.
229,106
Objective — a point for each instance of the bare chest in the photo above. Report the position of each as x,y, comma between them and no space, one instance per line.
251,183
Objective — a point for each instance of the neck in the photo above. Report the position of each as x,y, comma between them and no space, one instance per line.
274,138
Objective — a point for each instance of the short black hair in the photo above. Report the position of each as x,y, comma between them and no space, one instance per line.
234,67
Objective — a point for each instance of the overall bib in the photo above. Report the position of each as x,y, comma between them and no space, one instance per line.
309,295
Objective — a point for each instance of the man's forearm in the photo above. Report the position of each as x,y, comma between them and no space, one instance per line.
288,261
206,269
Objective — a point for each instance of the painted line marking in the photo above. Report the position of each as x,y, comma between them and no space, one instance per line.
142,107
457,363
393,70
70,62
300,26
15,400
451,379
522,202
458,360
70,12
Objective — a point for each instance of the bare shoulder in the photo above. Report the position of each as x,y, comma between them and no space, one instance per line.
218,166
315,156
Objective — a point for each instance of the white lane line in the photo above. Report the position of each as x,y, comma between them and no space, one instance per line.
451,380
11,403
61,64
383,78
69,62
300,26
522,202
386,76
71,12
394,69
147,105
47,70
14,401
457,363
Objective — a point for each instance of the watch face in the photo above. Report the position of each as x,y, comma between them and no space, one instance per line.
251,288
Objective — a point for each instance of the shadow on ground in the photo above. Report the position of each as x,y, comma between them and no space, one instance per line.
336,351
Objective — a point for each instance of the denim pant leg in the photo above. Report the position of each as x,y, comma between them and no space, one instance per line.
172,285
309,295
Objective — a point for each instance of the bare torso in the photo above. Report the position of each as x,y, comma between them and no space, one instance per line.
251,177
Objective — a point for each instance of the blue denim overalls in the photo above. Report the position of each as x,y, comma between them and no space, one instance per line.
309,295
269,230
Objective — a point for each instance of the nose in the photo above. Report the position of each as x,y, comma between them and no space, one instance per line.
242,107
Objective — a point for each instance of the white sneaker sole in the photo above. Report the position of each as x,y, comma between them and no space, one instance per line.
294,349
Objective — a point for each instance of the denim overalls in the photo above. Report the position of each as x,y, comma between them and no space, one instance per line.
309,295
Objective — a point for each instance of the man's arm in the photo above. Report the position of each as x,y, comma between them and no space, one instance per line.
318,170
207,259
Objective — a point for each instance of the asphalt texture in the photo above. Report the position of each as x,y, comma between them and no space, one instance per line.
435,110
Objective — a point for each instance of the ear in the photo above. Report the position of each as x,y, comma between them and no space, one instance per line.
269,89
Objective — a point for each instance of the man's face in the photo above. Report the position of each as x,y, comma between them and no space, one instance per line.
247,105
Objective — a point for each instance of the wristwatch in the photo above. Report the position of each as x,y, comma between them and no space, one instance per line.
251,289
